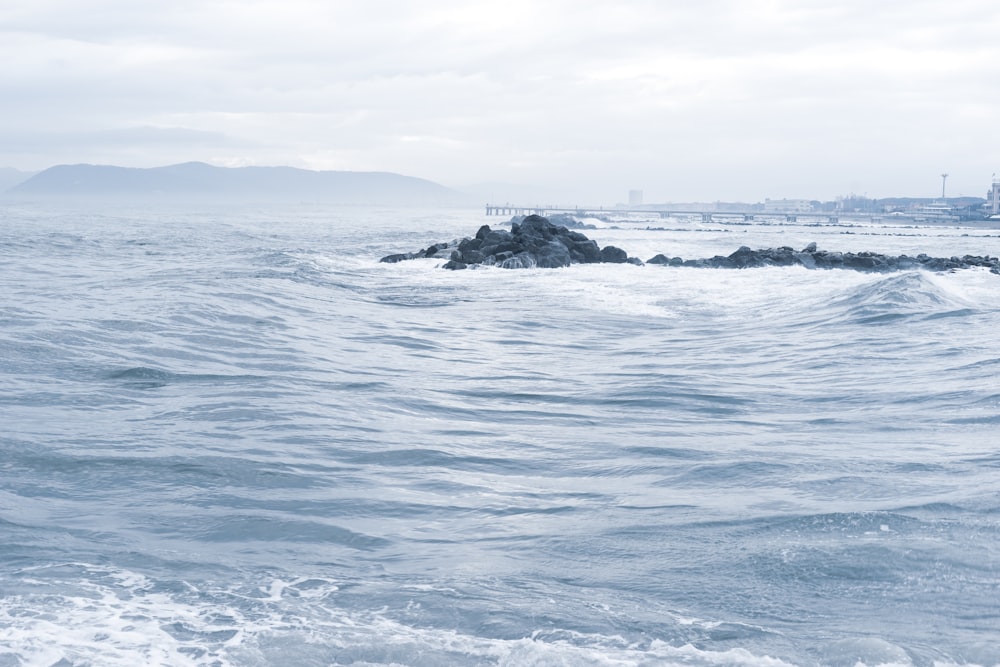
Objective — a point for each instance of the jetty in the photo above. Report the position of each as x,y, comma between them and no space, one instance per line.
705,215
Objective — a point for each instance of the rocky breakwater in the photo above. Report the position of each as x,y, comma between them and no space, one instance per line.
534,242
813,258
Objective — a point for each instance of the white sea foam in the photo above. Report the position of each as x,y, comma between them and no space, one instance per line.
116,618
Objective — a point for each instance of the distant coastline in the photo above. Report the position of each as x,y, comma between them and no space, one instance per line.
201,181
196,181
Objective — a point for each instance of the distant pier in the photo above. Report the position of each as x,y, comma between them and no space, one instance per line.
510,209
706,216
507,209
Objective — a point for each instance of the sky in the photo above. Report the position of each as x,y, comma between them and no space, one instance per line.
715,100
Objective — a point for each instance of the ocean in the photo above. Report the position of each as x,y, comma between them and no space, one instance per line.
229,435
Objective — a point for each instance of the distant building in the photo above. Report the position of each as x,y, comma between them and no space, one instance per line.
858,204
635,197
787,206
993,197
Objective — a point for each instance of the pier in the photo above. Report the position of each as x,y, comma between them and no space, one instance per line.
508,209
706,216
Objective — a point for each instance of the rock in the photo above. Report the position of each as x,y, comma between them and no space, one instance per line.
430,251
433,250
861,262
585,252
828,260
721,262
566,220
533,241
398,257
744,257
552,255
805,258
613,255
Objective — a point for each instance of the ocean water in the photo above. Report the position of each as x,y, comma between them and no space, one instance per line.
230,436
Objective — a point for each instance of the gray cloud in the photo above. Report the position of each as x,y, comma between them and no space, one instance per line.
712,100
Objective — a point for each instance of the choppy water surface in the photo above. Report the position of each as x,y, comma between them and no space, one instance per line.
230,436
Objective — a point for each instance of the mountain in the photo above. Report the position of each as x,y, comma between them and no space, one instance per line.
11,177
197,180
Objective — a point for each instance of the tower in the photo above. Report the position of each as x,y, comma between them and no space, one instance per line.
944,179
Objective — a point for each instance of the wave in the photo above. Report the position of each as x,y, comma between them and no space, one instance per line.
85,614
142,377
80,613
912,295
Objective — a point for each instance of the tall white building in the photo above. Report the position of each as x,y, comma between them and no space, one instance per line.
788,205
993,197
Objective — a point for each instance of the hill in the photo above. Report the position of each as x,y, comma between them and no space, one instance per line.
11,177
197,180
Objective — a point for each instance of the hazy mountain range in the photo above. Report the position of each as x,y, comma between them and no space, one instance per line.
197,180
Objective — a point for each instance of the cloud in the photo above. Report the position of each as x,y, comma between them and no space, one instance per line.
715,100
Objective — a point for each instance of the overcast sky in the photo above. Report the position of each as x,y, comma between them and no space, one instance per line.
707,100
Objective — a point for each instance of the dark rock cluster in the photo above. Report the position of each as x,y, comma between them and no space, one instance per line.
536,242
811,258
566,220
